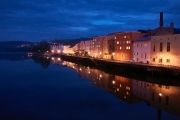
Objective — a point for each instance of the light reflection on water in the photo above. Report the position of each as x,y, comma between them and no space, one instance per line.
65,90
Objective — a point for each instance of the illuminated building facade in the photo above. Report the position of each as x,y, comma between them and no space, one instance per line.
165,49
97,47
123,45
142,50
56,49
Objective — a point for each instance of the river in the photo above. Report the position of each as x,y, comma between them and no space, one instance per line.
52,89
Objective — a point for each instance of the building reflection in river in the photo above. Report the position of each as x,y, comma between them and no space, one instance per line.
161,97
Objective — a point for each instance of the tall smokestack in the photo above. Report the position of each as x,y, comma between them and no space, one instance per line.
161,20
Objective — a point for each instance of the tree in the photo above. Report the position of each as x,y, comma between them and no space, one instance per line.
42,47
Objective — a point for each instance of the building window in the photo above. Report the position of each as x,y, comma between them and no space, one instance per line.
160,60
114,37
124,36
159,99
120,48
168,60
154,47
167,100
137,53
168,46
161,47
141,55
137,59
122,55
134,53
145,45
152,96
145,56
137,45
154,59
134,45
117,42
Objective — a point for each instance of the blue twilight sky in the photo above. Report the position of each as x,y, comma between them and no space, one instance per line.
34,20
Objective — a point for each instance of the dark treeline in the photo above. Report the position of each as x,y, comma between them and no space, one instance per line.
41,47
15,46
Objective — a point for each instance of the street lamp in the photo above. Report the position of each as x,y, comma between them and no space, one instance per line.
113,55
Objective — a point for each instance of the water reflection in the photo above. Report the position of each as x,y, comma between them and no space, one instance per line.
14,57
43,61
160,96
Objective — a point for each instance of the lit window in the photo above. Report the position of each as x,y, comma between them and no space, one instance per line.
124,36
120,48
117,42
114,37
127,42
145,45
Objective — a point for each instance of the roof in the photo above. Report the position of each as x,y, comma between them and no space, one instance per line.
113,33
143,39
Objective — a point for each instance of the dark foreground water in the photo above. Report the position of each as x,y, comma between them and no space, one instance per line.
36,89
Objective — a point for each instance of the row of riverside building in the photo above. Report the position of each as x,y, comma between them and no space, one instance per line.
158,46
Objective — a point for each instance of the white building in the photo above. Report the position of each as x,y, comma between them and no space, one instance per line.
56,49
142,50
165,49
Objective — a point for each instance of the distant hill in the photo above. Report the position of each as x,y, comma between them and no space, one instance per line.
15,46
70,41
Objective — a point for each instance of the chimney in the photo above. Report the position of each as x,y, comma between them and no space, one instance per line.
171,25
161,20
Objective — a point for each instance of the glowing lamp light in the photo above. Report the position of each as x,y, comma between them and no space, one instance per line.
160,94
52,58
113,82
58,51
100,76
59,59
52,51
100,53
160,55
113,53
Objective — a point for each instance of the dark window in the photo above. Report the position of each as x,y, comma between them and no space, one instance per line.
160,60
168,60
145,56
167,100
161,47
159,99
168,46
154,59
154,48
152,96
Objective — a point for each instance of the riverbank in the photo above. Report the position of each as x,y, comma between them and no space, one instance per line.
146,72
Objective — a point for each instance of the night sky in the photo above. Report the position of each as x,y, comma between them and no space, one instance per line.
35,20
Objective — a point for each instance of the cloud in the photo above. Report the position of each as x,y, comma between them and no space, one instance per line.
35,20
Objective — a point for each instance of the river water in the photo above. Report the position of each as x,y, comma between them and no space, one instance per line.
52,89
